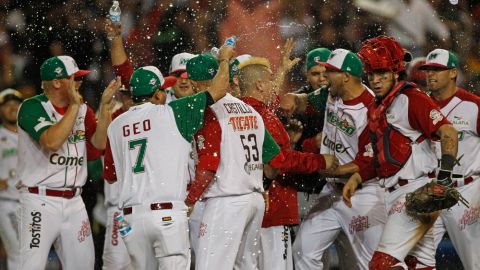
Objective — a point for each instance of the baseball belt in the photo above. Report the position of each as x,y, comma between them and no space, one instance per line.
67,193
153,207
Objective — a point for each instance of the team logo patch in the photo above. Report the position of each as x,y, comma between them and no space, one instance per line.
58,71
436,116
78,136
344,123
183,61
153,81
84,231
35,228
358,223
470,217
9,152
432,56
167,218
316,58
368,150
211,71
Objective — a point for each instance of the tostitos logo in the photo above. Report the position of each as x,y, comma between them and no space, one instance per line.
78,136
35,228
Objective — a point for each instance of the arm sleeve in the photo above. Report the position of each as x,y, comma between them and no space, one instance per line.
189,113
318,99
108,167
33,118
309,145
90,127
270,148
125,72
208,140
364,157
423,114
203,178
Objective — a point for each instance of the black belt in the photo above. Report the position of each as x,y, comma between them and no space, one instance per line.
153,207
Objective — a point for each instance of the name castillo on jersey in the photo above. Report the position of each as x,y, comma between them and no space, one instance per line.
242,122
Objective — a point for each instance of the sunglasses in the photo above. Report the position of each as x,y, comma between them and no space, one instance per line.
78,79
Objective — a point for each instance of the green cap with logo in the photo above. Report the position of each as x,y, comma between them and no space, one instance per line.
342,60
202,67
146,80
440,59
233,66
60,67
317,55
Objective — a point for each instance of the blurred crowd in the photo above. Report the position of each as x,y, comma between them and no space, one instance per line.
155,30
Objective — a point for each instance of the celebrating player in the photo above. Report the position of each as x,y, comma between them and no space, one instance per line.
55,129
462,109
151,164
9,197
402,121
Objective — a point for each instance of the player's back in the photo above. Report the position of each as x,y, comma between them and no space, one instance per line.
150,155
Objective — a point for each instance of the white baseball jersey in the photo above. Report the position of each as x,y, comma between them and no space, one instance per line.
150,146
462,110
344,132
8,162
66,167
245,147
415,115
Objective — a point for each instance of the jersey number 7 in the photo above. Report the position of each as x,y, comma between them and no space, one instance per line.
142,143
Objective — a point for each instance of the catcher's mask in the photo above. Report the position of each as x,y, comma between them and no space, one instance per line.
383,53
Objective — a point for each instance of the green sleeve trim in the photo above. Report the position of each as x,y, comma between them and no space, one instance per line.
33,118
270,148
318,99
189,113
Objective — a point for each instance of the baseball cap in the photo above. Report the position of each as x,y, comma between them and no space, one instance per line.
146,80
317,55
344,61
233,66
59,67
10,94
179,64
202,67
440,58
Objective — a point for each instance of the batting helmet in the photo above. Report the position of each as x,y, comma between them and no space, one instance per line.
383,53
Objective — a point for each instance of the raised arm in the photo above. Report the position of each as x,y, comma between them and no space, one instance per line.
220,82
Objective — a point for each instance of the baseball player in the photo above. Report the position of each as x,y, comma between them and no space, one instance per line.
462,109
257,90
345,135
55,129
144,154
402,122
9,196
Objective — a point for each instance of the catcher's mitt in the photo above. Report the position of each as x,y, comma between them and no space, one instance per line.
432,197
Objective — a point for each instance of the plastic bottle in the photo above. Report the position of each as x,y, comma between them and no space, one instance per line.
231,41
123,227
115,12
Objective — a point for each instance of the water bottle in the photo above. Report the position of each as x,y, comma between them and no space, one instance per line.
123,227
231,41
115,12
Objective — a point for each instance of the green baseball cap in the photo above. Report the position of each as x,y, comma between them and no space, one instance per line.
202,67
342,60
440,59
59,67
146,80
317,55
233,66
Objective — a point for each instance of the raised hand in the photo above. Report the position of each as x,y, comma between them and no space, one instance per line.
112,29
107,102
286,64
74,96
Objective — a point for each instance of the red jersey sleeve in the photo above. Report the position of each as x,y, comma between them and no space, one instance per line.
309,145
125,72
423,114
108,166
364,157
207,141
90,127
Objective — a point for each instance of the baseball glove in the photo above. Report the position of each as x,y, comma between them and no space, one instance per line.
432,197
